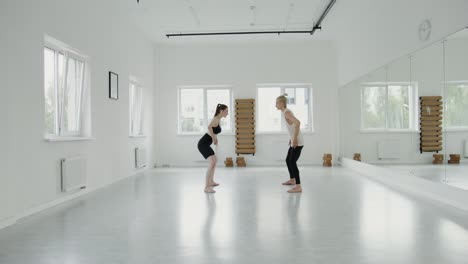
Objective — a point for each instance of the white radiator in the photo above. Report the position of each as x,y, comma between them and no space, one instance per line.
466,148
388,149
73,172
140,158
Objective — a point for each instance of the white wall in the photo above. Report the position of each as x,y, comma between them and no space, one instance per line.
243,66
371,33
4,185
103,34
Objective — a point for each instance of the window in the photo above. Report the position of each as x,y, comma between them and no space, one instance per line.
457,105
299,101
64,87
197,106
136,109
388,106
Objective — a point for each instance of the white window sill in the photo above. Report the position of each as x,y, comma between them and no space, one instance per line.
461,129
284,133
228,133
137,136
58,139
189,134
387,131
231,133
411,131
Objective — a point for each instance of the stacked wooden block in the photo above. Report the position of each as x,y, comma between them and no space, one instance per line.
228,162
454,159
357,157
327,160
431,124
240,162
438,159
245,126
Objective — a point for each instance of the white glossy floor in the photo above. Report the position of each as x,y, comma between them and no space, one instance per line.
164,217
455,175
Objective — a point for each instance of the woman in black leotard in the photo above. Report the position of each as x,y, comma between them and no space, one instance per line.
205,142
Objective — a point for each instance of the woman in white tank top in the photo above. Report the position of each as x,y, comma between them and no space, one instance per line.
296,143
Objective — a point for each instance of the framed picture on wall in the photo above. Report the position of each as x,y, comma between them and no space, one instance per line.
113,85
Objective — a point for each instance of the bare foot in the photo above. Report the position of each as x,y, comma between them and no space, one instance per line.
296,189
290,182
214,184
209,190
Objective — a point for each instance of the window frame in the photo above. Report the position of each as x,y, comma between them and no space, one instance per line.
283,87
206,119
445,100
69,53
413,107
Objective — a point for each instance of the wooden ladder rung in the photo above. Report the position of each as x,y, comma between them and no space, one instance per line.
431,144
431,118
245,136
245,106
245,151
428,103
430,98
432,113
428,138
245,141
431,133
241,126
430,149
431,123
245,100
431,108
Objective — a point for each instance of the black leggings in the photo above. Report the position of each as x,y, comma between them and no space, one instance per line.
291,159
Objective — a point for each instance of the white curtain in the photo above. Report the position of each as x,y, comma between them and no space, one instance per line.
70,76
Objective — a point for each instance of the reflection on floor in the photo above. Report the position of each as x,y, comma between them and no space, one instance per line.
164,217
452,174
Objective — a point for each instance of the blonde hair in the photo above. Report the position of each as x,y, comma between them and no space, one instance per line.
283,99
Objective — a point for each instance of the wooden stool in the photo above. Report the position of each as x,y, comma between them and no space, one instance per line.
327,160
240,162
357,157
454,159
228,162
438,159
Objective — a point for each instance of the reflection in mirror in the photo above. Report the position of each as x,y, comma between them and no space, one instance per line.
398,147
424,70
412,114
456,108
382,121
362,116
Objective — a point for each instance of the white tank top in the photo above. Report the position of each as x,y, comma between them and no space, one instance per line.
300,139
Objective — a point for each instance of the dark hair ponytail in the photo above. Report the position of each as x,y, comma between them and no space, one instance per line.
219,108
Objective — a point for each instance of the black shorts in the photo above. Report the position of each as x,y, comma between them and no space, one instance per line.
204,146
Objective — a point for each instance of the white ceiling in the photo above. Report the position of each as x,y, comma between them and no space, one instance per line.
156,18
